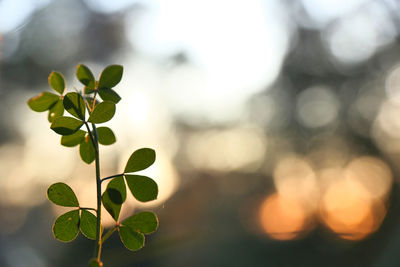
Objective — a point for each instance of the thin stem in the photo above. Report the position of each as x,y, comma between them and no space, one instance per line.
94,138
91,136
108,234
94,99
112,176
98,192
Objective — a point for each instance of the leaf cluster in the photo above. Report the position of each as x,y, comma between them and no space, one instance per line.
67,226
68,112
78,104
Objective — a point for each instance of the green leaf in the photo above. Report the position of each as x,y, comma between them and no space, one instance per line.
66,125
43,101
142,188
86,150
95,263
109,95
114,196
66,227
106,136
110,76
130,238
75,105
140,160
56,110
61,194
73,139
85,76
88,224
118,183
57,82
144,222
102,112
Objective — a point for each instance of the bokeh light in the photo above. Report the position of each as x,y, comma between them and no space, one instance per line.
164,30
295,179
356,37
347,210
317,107
328,10
227,150
373,174
282,218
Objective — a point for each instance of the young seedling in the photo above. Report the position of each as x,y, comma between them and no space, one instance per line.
88,111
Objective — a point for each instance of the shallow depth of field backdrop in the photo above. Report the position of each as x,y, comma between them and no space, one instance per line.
276,126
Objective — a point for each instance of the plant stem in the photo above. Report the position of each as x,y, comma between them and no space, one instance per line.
108,234
112,176
94,138
94,100
91,136
98,193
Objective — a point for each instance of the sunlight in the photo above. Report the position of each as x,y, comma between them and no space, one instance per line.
227,150
347,211
282,218
295,179
372,173
230,56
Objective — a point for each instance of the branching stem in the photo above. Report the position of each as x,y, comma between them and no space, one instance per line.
112,176
108,234
94,100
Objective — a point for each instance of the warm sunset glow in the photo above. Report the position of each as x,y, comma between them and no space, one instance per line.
295,179
372,173
282,218
329,176
227,150
347,211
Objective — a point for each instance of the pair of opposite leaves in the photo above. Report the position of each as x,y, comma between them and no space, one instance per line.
132,229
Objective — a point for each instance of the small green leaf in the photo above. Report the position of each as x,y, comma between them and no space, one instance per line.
109,95
57,82
66,227
86,150
66,125
110,76
56,110
43,101
95,263
106,136
88,224
73,139
85,76
130,238
144,222
61,194
102,112
142,188
114,196
140,160
75,105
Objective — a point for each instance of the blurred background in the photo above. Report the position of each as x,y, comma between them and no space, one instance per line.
276,126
